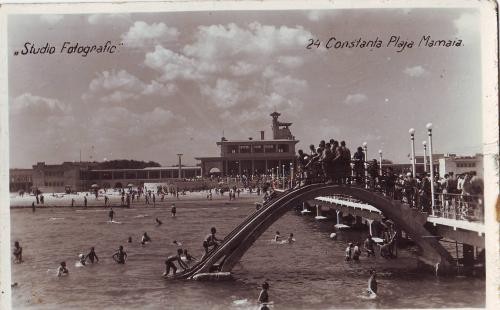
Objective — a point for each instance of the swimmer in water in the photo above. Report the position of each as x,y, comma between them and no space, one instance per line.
264,296
145,238
356,252
62,270
82,259
369,246
174,210
290,238
120,256
348,252
212,240
92,256
177,243
129,240
372,282
188,256
277,237
158,222
111,214
169,263
18,253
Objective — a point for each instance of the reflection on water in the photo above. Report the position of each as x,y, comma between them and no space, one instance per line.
308,274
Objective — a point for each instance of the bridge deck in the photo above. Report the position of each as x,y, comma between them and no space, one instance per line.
465,225
461,224
347,203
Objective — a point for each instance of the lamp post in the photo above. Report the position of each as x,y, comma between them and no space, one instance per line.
412,143
380,156
365,148
180,165
283,177
429,133
424,143
278,174
291,175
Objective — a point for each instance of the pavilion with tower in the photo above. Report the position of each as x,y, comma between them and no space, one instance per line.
250,157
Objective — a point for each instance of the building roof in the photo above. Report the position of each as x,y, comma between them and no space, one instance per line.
257,141
151,168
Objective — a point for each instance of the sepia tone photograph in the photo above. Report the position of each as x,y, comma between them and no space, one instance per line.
249,158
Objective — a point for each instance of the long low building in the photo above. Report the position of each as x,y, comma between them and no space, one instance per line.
80,176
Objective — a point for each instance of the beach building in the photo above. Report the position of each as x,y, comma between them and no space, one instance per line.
461,164
248,157
80,176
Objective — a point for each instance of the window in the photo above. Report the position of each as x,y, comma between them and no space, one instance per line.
142,174
154,174
46,184
130,175
106,175
118,175
270,148
233,149
258,149
282,148
244,148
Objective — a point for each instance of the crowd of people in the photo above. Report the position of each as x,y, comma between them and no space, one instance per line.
331,163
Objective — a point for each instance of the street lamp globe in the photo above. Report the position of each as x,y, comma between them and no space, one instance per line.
424,143
365,144
380,152
429,126
411,131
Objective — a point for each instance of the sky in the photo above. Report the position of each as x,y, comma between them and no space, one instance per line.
179,81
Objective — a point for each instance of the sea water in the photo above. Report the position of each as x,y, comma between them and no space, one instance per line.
308,274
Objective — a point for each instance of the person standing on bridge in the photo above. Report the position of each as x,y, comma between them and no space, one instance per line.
359,161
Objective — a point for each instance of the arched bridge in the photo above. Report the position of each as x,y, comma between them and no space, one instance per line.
235,244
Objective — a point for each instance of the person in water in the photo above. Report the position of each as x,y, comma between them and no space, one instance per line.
92,256
169,263
277,237
264,296
188,256
120,256
372,282
212,240
348,252
111,215
158,222
129,240
18,253
145,238
356,252
62,270
82,259
173,210
369,246
290,238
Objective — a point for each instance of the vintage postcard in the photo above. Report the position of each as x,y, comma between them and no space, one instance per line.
249,155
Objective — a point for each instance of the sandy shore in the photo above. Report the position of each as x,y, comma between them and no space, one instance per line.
64,200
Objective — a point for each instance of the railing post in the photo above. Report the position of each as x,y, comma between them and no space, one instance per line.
429,133
365,147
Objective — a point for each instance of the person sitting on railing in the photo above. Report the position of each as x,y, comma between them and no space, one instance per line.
359,161
302,160
314,166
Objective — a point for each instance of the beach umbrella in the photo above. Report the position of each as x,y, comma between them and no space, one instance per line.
95,186
130,185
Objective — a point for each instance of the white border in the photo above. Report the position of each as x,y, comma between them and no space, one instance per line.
489,46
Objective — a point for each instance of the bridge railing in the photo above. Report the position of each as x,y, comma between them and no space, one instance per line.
452,206
459,207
